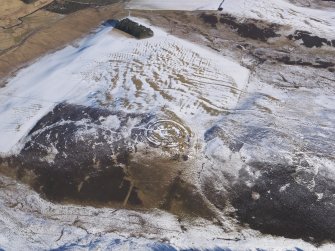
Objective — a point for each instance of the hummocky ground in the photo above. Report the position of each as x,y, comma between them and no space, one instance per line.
217,132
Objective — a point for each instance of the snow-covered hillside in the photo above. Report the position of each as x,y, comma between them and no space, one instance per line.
187,5
318,21
226,142
152,70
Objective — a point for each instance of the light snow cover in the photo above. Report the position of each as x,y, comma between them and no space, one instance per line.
41,225
319,22
174,5
83,74
111,70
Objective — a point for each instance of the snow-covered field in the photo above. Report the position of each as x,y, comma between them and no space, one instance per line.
161,71
319,22
188,5
40,225
252,143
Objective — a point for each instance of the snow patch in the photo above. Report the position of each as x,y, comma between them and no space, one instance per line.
90,74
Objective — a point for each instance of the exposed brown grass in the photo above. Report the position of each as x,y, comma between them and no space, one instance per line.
12,10
56,36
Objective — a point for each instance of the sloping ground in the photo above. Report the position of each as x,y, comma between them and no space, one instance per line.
141,98
19,21
164,83
29,31
319,22
234,146
12,10
174,5
26,217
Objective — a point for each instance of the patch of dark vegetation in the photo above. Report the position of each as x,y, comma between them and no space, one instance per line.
251,28
137,30
98,2
210,19
68,7
28,1
184,199
108,185
85,155
316,64
279,205
218,197
65,7
283,57
309,40
72,159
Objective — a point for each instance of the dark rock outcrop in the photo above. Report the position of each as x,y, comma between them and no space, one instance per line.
278,205
249,28
137,30
253,29
67,7
210,19
286,58
309,40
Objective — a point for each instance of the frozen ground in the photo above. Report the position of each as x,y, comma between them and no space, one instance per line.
174,5
319,22
31,223
235,152
89,67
